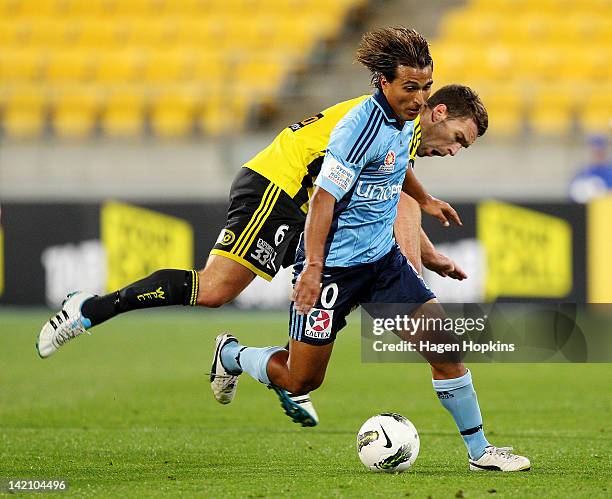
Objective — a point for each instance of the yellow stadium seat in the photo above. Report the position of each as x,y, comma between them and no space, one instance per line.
12,32
123,114
99,32
202,32
145,31
260,75
551,121
173,113
119,66
42,32
552,110
184,7
595,115
75,112
298,36
603,34
209,69
504,122
561,47
166,65
136,7
449,61
24,113
244,48
68,66
504,105
20,65
90,8
38,8
596,120
8,8
223,114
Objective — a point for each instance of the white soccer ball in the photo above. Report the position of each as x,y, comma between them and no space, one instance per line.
388,442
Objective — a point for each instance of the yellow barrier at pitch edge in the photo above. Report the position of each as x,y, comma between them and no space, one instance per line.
599,250
139,241
528,253
1,262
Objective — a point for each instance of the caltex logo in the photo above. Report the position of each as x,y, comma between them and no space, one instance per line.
319,320
319,323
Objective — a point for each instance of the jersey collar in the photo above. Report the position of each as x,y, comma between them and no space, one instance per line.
381,101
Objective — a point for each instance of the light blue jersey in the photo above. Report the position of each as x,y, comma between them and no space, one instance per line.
364,169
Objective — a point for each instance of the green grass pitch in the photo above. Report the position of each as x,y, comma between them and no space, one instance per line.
128,412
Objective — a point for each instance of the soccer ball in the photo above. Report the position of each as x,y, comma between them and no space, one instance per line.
388,442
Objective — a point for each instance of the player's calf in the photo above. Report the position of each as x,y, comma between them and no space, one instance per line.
236,358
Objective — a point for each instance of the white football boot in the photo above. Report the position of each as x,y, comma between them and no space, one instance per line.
500,459
298,407
67,324
223,383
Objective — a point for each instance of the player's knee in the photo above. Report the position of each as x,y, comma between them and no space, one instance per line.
448,370
212,300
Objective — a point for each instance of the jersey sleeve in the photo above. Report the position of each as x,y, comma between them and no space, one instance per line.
350,148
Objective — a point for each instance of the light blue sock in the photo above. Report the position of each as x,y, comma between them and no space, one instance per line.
459,398
228,357
237,358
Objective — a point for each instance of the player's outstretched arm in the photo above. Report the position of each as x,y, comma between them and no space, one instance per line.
318,222
406,229
429,204
437,262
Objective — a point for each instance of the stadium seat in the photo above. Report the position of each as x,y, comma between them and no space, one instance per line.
99,33
24,112
20,65
43,32
596,114
156,45
533,43
142,31
68,66
504,106
123,115
173,113
75,112
119,67
222,115
166,65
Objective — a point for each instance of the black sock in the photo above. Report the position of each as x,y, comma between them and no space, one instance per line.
160,289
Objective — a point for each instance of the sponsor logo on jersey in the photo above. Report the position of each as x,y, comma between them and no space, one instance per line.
378,192
264,254
338,174
156,294
319,324
296,126
389,164
226,237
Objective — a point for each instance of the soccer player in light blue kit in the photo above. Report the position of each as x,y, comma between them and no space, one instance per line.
348,254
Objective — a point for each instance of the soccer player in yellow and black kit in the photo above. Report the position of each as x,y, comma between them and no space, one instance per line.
269,201
268,206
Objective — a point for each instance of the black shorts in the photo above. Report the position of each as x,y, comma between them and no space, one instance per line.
392,279
263,225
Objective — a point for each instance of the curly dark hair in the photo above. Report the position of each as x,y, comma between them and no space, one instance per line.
461,102
383,50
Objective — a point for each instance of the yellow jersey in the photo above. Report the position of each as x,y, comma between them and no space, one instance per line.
293,160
